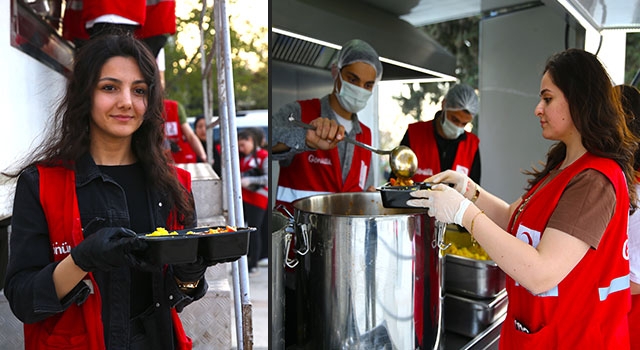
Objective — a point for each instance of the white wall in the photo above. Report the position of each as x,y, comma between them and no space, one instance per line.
28,93
513,51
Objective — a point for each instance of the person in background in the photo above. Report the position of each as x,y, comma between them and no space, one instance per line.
78,275
185,145
630,98
563,243
200,127
254,167
315,161
148,20
443,143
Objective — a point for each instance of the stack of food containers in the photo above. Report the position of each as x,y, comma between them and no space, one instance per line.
475,295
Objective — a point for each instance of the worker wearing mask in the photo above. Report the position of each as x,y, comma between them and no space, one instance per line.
443,143
315,162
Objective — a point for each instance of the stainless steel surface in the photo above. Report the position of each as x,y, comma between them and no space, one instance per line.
471,277
357,287
402,159
279,225
469,316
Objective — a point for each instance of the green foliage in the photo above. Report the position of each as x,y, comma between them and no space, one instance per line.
460,38
183,75
632,59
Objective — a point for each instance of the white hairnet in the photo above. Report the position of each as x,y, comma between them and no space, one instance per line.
356,50
462,97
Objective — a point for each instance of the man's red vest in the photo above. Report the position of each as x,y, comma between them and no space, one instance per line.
588,308
79,325
320,172
422,141
173,132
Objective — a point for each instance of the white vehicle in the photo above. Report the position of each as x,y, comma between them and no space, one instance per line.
254,118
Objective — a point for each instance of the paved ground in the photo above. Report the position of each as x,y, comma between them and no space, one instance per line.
259,293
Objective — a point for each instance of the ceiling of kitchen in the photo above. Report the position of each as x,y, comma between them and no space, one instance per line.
391,26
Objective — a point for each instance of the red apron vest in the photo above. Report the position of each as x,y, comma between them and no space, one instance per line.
588,308
422,141
319,172
173,132
160,19
259,198
134,10
80,326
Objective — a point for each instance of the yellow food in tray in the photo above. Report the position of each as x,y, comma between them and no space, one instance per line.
462,245
161,231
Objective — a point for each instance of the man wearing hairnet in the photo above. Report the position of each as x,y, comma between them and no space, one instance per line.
316,161
443,143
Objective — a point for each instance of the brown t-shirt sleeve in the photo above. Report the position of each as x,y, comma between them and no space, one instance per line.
586,207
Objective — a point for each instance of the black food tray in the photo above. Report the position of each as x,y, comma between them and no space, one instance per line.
185,248
397,196
224,245
172,249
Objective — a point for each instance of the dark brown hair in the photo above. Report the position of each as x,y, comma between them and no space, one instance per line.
68,133
595,111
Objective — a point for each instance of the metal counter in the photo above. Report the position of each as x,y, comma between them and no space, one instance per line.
486,340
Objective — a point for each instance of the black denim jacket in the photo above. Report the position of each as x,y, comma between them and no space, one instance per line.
29,282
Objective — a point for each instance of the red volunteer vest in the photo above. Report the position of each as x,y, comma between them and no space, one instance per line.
134,10
173,132
80,326
320,171
259,198
588,308
422,141
161,15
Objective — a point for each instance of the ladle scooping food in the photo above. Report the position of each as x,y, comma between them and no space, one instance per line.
402,160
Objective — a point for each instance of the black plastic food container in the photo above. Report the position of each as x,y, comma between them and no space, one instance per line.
397,196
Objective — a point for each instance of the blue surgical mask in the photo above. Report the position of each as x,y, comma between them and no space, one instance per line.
450,130
352,98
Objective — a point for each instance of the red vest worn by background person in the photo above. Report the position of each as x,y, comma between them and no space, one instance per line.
78,12
79,326
422,141
260,197
588,308
320,172
173,132
160,19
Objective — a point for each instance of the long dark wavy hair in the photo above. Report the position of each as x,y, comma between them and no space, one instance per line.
595,111
68,134
630,99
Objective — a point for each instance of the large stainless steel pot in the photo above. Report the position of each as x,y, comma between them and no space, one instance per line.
281,235
369,277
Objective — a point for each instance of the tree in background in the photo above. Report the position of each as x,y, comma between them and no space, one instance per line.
632,59
460,38
183,74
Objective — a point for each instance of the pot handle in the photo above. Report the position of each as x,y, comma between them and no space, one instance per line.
305,240
441,228
291,263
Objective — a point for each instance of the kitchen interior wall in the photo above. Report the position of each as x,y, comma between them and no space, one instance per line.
289,83
513,52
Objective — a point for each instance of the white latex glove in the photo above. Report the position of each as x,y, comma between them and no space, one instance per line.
245,182
444,203
460,181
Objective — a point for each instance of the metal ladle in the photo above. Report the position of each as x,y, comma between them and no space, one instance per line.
402,160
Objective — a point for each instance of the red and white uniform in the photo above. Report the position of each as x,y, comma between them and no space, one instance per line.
160,19
259,198
173,132
319,172
423,143
588,308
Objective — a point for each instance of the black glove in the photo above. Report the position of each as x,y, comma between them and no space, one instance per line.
190,272
107,249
